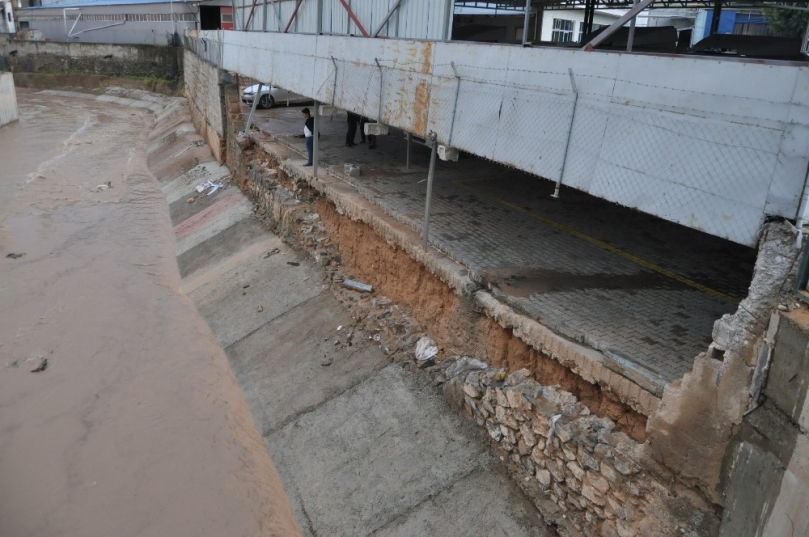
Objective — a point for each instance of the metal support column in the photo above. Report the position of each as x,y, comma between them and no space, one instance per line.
717,14
525,22
569,133
315,141
589,14
409,140
428,206
256,99
630,40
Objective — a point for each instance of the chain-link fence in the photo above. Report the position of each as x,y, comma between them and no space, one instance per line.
210,50
712,171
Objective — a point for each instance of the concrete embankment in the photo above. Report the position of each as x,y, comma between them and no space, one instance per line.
119,414
364,445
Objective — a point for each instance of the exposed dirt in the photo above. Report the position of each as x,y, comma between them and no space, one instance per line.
453,322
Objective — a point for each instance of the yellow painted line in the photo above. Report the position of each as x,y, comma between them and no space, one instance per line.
603,245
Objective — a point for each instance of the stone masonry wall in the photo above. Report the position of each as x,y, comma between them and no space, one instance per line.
205,96
598,478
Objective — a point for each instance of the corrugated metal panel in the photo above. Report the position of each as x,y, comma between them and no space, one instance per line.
414,19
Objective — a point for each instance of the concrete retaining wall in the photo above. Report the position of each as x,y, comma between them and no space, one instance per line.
202,85
8,99
769,485
162,63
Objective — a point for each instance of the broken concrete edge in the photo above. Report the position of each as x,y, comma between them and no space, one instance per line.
696,427
596,478
641,393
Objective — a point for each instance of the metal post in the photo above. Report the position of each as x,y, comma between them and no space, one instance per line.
454,106
379,118
256,97
717,14
334,87
409,139
525,22
316,144
569,133
536,24
449,15
319,17
428,205
631,39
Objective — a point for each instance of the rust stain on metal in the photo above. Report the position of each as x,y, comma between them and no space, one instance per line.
427,58
421,107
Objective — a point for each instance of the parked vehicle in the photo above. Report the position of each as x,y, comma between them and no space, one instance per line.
270,95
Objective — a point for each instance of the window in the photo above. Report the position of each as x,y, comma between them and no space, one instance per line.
596,27
562,31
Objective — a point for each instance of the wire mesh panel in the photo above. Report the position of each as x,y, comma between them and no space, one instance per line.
715,161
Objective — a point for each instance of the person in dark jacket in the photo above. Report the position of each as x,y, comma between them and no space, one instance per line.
352,119
308,132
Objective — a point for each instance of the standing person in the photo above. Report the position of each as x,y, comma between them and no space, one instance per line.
308,131
353,119
363,121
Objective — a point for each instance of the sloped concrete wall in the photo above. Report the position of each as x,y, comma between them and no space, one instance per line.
8,99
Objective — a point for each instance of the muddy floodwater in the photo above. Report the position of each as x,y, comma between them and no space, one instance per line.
136,425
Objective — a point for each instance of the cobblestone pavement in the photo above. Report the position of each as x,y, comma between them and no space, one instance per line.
633,286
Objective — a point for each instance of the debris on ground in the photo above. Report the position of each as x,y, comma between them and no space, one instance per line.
191,200
425,349
40,364
272,253
15,256
259,309
358,286
202,187
293,263
102,188
327,362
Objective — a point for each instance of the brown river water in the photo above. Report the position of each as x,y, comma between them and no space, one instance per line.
137,426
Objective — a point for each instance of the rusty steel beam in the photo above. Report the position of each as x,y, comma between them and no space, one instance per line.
294,13
354,18
250,17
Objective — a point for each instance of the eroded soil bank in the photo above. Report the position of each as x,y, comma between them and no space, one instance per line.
136,426
453,321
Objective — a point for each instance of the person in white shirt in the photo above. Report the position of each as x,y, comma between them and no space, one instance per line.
308,131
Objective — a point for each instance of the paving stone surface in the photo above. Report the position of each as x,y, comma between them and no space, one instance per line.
621,281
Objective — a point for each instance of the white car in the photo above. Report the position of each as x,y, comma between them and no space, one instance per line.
271,95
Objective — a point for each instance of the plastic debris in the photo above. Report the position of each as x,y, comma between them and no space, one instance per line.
425,349
202,187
